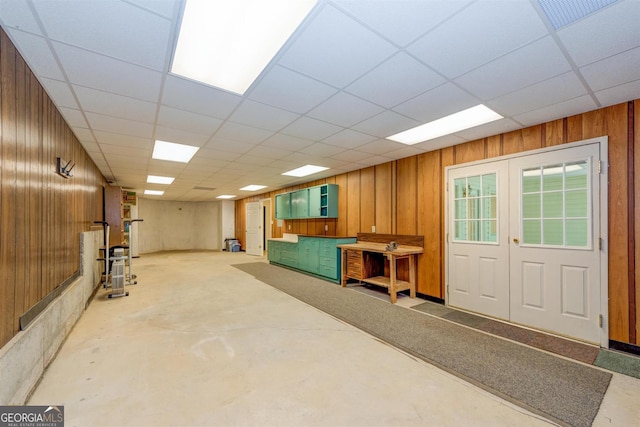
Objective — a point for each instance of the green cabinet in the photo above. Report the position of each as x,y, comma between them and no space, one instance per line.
283,206
320,201
319,256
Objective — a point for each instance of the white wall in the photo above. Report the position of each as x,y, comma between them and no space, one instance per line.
170,225
229,221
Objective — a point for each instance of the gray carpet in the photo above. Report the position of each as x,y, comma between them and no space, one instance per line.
563,391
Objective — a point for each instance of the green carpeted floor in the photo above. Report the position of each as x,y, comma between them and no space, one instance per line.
561,390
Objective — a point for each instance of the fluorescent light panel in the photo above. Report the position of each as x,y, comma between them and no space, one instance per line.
153,192
305,170
154,179
225,196
227,43
253,187
466,119
163,150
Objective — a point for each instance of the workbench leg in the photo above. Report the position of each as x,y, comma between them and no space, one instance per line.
343,268
412,276
392,279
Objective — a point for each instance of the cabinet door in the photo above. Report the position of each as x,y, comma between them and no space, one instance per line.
283,206
314,202
308,255
300,203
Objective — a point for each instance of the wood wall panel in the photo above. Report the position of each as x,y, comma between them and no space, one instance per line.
367,198
429,220
636,218
353,203
494,146
383,197
554,133
407,195
41,213
470,151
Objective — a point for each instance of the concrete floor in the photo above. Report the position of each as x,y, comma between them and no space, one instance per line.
200,343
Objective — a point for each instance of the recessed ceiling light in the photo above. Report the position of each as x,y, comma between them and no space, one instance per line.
227,43
163,150
456,122
253,187
153,192
225,196
305,170
154,179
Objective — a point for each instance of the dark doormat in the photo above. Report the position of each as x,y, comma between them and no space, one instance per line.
561,390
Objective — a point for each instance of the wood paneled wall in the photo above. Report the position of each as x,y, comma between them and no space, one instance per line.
41,213
407,197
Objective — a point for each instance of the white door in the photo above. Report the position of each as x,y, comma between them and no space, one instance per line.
478,236
253,236
555,255
524,239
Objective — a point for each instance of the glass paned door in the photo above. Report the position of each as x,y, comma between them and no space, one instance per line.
475,206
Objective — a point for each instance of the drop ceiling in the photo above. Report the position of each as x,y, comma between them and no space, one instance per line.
352,74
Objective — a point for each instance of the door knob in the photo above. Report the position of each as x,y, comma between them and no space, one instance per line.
516,240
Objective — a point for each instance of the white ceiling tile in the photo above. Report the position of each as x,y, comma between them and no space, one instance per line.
90,147
610,31
618,94
242,133
443,141
478,34
115,105
250,159
349,139
262,116
439,102
108,27
385,124
198,98
523,67
613,71
166,8
100,122
345,110
308,128
127,151
180,136
61,92
322,150
218,157
269,152
36,52
282,88
404,24
123,140
394,81
404,152
185,120
556,111
557,89
380,147
83,134
336,49
489,129
353,156
228,148
73,117
17,14
286,142
99,72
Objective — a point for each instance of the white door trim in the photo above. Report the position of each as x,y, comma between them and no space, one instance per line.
603,142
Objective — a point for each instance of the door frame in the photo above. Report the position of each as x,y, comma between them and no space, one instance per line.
603,142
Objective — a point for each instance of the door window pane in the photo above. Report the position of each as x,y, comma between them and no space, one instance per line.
556,209
476,208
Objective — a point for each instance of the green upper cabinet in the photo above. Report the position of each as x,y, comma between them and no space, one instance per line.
314,202
300,203
283,206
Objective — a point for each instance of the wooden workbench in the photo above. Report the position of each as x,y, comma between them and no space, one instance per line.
364,261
